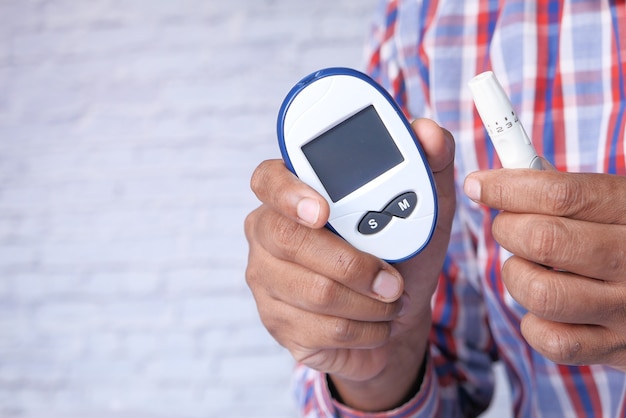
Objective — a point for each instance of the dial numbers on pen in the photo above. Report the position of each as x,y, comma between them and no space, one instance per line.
503,125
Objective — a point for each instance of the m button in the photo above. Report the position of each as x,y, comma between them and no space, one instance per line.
402,206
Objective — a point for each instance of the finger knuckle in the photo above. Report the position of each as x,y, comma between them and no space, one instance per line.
543,241
249,225
613,304
616,260
314,359
562,347
276,325
357,334
615,352
251,276
259,176
562,197
539,296
350,264
323,294
277,332
287,235
344,330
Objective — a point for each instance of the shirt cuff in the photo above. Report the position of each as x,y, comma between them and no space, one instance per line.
424,404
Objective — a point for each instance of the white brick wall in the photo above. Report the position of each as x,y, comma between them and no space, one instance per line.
128,133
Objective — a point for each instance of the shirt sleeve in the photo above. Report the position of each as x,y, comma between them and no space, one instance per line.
316,401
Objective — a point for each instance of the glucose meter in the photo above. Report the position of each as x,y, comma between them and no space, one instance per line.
342,134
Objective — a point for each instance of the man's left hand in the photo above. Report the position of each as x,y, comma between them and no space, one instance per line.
567,232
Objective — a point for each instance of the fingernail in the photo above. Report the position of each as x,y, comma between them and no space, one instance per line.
308,210
386,285
472,188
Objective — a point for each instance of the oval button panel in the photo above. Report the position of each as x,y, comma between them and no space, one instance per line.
400,207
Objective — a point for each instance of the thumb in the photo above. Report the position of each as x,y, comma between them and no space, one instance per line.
438,145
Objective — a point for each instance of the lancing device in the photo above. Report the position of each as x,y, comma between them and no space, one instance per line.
504,127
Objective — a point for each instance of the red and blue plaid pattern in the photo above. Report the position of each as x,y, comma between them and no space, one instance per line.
563,64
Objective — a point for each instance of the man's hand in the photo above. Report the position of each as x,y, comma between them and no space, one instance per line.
568,236
336,309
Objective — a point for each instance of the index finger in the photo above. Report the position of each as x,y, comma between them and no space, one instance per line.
279,188
592,197
326,254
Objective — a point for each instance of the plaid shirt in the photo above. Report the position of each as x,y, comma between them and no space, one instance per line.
563,64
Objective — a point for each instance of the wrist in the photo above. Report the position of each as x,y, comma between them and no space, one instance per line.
398,382
413,391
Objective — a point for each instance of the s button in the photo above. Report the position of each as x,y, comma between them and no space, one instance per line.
373,222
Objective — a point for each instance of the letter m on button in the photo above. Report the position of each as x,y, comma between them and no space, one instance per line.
403,205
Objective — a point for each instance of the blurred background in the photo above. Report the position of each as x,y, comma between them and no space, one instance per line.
128,133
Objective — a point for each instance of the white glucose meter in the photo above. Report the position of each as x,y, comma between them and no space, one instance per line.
342,134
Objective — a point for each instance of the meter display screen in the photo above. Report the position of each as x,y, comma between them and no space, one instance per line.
352,153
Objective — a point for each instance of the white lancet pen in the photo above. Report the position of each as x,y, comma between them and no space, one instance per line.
504,127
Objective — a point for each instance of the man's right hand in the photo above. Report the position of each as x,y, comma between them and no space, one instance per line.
336,309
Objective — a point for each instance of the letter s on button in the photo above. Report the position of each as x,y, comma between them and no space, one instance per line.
373,222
